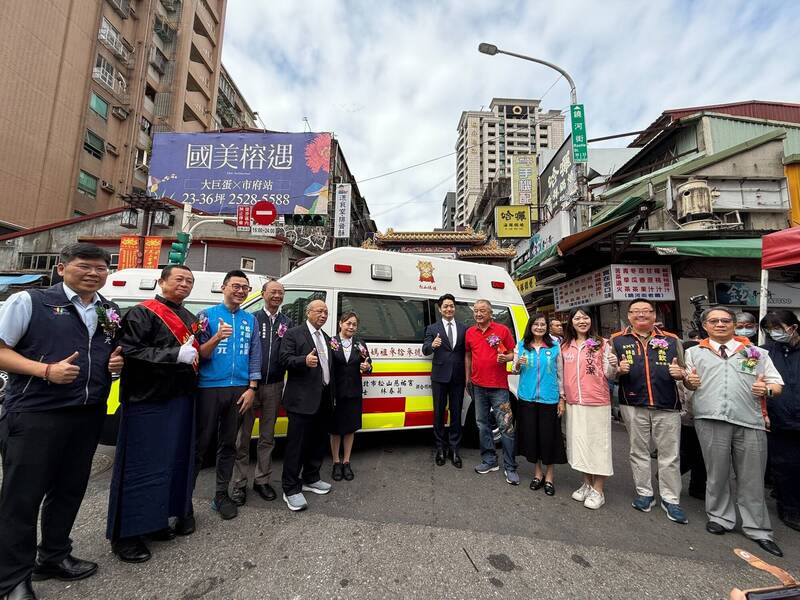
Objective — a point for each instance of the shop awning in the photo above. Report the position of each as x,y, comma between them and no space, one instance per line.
731,248
781,248
576,241
6,280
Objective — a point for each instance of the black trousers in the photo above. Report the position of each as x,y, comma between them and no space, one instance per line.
306,447
444,394
217,412
47,459
691,458
784,454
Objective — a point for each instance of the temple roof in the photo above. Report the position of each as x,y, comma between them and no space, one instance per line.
490,250
466,236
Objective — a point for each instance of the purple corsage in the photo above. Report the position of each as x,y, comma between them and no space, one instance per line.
109,320
282,329
659,343
751,357
592,344
334,344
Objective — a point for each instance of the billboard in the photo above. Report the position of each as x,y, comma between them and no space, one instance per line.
557,180
524,182
216,172
512,221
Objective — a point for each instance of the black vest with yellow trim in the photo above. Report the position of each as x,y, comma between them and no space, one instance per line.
649,383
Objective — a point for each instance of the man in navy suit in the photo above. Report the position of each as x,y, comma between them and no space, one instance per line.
445,340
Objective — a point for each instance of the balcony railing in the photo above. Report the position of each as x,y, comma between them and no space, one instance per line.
112,41
123,7
158,60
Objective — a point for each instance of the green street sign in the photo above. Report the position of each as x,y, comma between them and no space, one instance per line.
580,150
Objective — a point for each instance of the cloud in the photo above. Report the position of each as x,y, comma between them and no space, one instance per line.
391,79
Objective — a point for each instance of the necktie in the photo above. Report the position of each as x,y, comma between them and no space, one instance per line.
450,335
723,351
319,342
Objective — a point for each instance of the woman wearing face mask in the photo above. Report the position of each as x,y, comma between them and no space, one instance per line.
540,404
746,326
783,344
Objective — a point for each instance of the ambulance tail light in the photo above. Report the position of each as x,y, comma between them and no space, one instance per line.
342,268
118,283
147,284
381,272
468,281
498,285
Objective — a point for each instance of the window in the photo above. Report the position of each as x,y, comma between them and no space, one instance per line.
294,304
37,262
146,126
247,264
98,106
386,318
94,144
114,261
87,184
104,72
500,314
110,34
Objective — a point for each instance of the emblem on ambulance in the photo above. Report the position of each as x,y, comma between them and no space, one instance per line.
425,271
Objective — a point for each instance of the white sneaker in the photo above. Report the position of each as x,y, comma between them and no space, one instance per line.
318,487
580,494
594,499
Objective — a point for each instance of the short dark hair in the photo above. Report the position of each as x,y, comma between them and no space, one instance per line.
554,318
645,300
85,251
234,273
347,315
778,317
444,297
167,271
527,338
693,333
708,311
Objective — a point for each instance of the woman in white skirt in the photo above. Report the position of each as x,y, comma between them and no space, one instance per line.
588,365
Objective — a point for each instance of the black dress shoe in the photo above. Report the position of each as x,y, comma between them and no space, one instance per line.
69,569
163,535
131,550
22,591
185,525
440,458
347,472
536,483
770,547
337,474
239,495
265,490
715,528
549,488
456,460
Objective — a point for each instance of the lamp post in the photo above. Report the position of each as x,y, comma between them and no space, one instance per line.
491,50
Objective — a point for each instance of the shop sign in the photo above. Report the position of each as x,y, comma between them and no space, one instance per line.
746,293
616,282
525,286
512,221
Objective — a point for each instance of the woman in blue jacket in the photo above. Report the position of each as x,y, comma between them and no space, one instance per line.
783,343
540,407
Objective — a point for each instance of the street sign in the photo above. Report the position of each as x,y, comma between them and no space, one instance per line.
580,150
264,213
243,218
264,230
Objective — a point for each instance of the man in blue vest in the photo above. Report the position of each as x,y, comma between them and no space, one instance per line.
59,348
649,361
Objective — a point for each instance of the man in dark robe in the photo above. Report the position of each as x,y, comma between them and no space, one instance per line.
154,462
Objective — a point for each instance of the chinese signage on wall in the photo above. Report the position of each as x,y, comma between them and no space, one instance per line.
557,180
580,149
128,252
553,232
525,286
616,282
512,221
524,182
746,293
219,171
152,252
341,222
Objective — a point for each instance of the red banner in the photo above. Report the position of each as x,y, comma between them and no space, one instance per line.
152,252
128,251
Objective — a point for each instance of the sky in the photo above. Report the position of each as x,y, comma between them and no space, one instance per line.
391,78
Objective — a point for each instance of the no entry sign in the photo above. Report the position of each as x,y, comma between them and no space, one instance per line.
264,213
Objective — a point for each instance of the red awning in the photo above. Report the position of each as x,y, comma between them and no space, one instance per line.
781,249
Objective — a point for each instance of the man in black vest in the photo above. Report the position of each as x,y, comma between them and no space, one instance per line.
59,348
272,326
445,340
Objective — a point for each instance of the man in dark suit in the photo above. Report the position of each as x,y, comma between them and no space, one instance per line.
445,340
305,354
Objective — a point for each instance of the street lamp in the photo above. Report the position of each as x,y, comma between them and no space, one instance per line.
491,50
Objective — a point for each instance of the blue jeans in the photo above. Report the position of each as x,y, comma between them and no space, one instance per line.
495,399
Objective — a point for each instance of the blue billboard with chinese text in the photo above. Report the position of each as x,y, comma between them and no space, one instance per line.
216,172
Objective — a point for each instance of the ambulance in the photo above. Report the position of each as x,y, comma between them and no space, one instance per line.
394,295
129,287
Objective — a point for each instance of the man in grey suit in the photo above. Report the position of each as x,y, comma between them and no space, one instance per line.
445,340
305,354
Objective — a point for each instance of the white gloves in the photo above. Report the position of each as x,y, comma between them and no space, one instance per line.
188,353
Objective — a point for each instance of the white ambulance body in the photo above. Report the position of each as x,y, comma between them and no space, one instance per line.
394,295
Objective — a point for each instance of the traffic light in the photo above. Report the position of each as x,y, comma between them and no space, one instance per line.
306,220
180,249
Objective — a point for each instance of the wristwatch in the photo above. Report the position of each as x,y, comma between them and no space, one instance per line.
253,388
769,392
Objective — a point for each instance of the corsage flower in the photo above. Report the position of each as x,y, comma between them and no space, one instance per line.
109,320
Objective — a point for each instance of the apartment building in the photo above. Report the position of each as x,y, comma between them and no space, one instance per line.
85,85
449,211
232,110
487,139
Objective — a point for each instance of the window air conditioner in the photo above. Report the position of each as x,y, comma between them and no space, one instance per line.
107,185
120,112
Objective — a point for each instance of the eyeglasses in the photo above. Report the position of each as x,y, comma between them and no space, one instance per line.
641,311
239,288
719,321
91,268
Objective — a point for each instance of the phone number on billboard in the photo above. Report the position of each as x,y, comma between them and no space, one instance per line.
235,199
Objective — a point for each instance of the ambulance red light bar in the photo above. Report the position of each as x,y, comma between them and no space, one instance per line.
118,283
498,285
337,268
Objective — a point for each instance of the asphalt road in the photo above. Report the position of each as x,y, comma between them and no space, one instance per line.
405,528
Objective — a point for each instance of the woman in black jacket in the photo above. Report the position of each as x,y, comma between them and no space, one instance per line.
349,360
783,343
